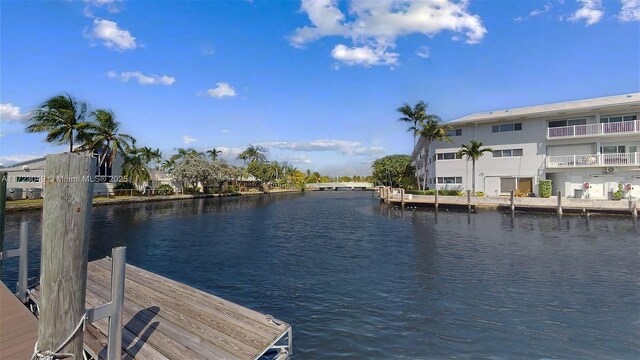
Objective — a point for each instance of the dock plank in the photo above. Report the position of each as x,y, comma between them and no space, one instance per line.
18,327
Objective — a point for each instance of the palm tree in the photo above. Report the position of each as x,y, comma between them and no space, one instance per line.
254,153
473,151
431,130
62,118
135,167
213,153
168,165
103,136
148,154
183,153
413,116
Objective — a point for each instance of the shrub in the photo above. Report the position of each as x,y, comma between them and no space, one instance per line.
618,194
544,188
479,193
232,189
124,186
520,194
188,190
164,189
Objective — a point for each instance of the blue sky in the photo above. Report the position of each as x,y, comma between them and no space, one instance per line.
317,82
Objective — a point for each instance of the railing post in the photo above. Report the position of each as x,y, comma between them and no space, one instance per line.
65,243
23,267
559,207
512,202
118,260
574,160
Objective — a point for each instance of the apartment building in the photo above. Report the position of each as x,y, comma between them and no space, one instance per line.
586,147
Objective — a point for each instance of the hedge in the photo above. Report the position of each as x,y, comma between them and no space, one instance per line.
544,188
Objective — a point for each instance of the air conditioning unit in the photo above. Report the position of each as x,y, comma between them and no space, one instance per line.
610,170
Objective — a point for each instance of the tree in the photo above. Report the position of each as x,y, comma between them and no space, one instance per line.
254,153
220,171
62,118
431,130
473,151
392,169
188,152
135,167
168,165
262,171
192,170
414,116
104,138
213,153
149,155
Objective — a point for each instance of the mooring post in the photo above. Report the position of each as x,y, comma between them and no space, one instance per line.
512,202
469,200
559,202
65,243
118,260
402,198
23,264
634,209
3,205
436,203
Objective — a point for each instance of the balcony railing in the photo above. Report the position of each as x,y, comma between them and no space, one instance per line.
593,160
594,129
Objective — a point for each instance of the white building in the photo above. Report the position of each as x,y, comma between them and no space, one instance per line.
586,147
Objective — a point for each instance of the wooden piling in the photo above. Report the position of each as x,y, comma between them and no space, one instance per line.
402,198
559,206
512,202
469,200
65,244
436,202
634,209
3,206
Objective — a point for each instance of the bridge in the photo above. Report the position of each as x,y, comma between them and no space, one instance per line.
340,185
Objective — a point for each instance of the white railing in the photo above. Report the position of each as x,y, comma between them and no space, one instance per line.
594,129
593,160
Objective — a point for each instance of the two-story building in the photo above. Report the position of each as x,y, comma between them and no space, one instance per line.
586,147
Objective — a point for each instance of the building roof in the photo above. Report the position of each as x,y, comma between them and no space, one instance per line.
21,164
560,108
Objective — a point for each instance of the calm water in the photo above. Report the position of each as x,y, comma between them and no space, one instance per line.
358,280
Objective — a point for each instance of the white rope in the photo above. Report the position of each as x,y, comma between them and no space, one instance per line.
52,355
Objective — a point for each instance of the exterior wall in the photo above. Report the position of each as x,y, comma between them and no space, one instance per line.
537,147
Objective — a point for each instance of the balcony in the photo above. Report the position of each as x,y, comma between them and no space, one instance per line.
593,160
576,131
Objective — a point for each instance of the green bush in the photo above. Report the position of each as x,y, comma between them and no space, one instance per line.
189,190
618,194
124,186
164,189
433,192
544,188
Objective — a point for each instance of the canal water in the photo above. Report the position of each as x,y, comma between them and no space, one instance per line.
358,280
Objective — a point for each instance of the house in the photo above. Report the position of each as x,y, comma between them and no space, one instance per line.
26,179
586,147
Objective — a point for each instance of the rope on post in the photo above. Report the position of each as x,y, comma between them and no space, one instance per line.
52,355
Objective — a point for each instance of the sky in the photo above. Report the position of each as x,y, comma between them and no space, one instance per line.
316,82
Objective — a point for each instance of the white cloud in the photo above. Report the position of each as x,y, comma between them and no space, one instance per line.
225,131
545,9
16,158
374,26
342,146
188,139
110,4
364,56
298,159
590,11
630,10
424,52
142,79
221,90
112,36
10,112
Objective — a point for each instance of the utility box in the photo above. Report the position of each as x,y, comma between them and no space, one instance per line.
15,194
578,193
34,194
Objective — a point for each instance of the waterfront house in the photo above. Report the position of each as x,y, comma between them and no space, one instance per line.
586,147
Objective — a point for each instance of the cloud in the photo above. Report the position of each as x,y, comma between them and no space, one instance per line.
142,79
545,9
188,139
374,26
424,52
222,90
110,4
16,158
225,131
630,10
298,159
342,146
111,35
364,56
10,112
591,11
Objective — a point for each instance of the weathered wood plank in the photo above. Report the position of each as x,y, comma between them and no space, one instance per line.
65,244
18,327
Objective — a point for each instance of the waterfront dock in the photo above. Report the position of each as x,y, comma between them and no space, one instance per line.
556,203
163,319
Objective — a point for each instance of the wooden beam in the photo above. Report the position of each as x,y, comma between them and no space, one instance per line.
65,243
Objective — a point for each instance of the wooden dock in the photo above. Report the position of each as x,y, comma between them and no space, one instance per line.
165,319
18,327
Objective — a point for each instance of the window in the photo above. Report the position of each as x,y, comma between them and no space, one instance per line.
454,132
562,123
506,127
450,180
618,118
507,153
448,156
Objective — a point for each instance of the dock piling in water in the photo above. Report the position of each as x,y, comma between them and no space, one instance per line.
559,206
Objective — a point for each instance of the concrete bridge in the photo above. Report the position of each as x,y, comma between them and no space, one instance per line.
340,185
